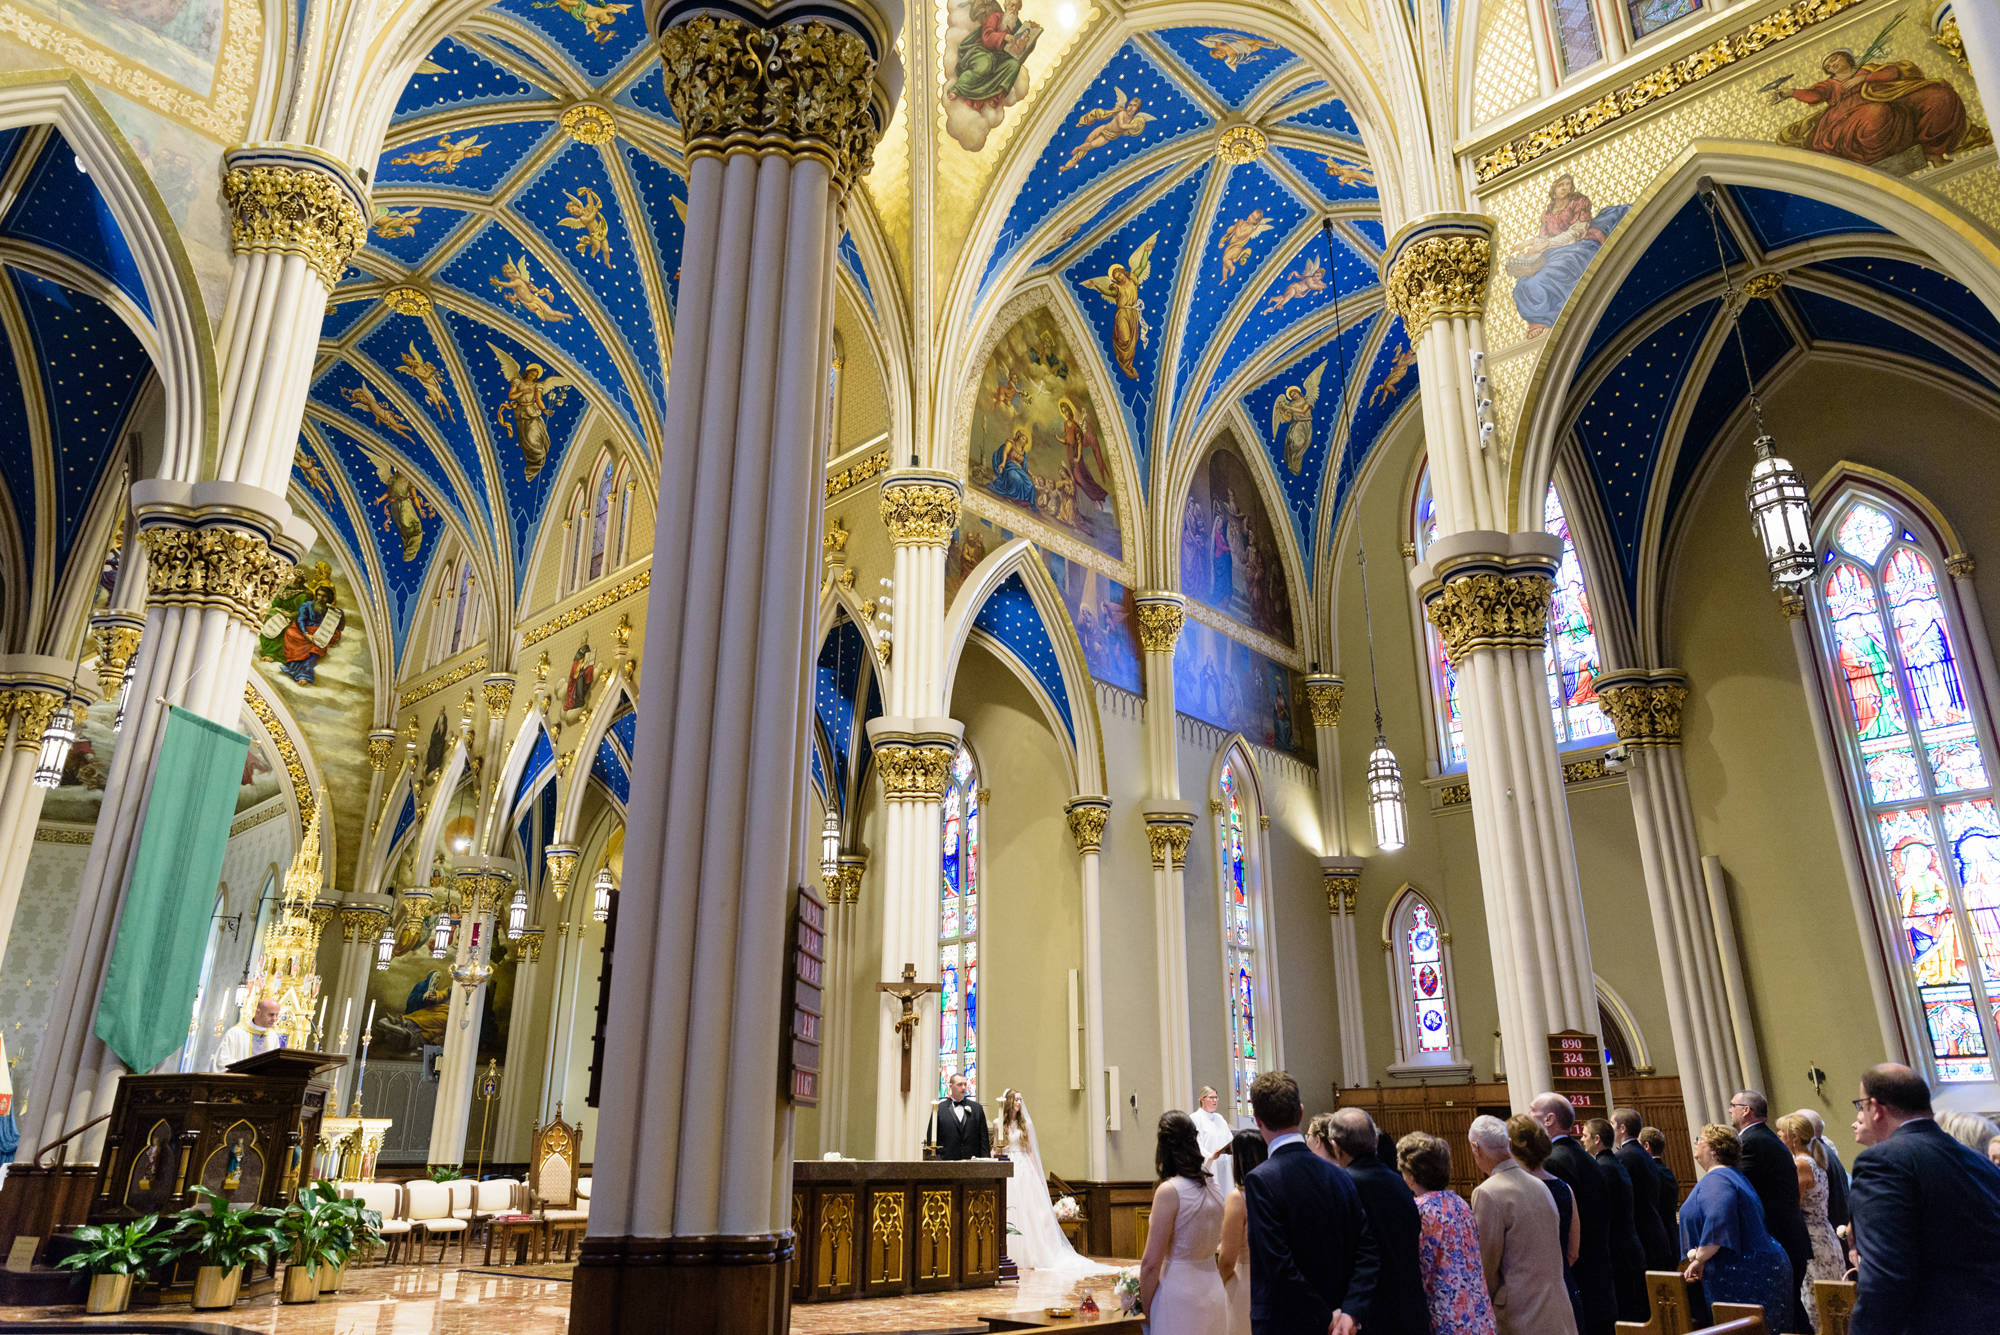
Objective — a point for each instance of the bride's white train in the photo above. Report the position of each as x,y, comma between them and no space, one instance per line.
1034,1239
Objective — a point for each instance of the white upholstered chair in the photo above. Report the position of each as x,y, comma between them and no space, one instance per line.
386,1199
427,1205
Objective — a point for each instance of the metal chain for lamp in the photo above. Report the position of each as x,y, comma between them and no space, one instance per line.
1780,507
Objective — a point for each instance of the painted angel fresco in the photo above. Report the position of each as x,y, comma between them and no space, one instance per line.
363,401
391,225
315,475
596,19
1236,48
987,45
1299,282
1292,417
444,159
517,288
404,508
1120,286
431,376
1235,240
1121,120
586,214
527,389
1392,383
1347,173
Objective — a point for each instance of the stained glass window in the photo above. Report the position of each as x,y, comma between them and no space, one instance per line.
958,929
1919,763
1239,939
1572,663
1427,995
600,524
1576,34
1649,16
1572,658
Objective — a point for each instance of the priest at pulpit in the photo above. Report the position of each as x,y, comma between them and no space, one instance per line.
961,1125
249,1036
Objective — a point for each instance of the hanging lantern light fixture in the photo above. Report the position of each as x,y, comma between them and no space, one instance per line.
125,691
385,948
56,740
600,903
1780,506
517,913
441,938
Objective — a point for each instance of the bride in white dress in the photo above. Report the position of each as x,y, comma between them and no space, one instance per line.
1034,1239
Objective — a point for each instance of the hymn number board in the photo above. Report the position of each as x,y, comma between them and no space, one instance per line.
1576,1071
802,1017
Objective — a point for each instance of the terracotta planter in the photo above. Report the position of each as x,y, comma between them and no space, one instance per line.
330,1278
299,1286
215,1287
108,1293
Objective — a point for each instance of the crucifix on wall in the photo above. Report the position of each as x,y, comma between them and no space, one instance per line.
906,990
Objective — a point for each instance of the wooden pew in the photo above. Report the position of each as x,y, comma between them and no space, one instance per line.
1673,1312
1748,1325
1835,1300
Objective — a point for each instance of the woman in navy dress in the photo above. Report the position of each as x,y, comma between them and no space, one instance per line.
1722,1232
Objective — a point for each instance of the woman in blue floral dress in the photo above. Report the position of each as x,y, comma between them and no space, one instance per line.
1723,1235
1448,1246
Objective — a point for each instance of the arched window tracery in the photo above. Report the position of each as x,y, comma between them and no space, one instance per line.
1421,987
1249,960
600,520
1571,658
958,928
1915,736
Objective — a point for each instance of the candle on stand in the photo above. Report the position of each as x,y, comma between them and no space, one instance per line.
319,1024
346,1013
361,1070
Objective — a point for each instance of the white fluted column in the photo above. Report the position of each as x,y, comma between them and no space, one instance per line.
1169,826
1976,26
362,918
1342,875
1087,816
689,1226
482,886
1487,592
220,542
36,687
843,905
520,1071
1646,707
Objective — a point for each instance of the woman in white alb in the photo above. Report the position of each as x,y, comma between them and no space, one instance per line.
1179,1285
1213,1133
1034,1238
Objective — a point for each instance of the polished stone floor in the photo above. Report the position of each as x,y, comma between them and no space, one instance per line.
534,1300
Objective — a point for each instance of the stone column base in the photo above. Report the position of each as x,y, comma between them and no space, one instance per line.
725,1284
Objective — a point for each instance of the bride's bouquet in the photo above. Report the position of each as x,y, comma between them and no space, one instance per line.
1126,1286
1067,1209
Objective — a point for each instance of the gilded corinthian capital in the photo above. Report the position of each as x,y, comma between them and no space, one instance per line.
1489,600
914,772
1087,816
117,640
1324,692
1437,267
226,568
291,200
1161,616
805,89
920,508
35,706
1645,707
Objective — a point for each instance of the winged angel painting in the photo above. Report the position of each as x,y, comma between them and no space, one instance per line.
1121,120
1292,417
986,55
527,390
1120,286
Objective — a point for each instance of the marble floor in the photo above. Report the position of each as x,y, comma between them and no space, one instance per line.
534,1300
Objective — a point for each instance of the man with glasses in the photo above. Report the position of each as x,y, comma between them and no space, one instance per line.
1769,1167
1926,1217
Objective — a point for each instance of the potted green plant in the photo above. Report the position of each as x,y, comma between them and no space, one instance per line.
221,1241
112,1254
353,1230
318,1236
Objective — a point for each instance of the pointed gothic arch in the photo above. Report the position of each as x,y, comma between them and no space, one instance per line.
1247,942
1423,988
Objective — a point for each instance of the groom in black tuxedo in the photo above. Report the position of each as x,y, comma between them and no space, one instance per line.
1313,1261
961,1125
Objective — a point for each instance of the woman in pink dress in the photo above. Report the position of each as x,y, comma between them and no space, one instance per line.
1448,1246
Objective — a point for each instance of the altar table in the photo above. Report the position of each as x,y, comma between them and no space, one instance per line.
869,1229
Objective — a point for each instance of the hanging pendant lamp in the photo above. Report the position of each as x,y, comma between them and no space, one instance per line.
600,903
1780,507
517,913
385,948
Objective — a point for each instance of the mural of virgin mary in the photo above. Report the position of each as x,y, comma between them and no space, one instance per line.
1547,266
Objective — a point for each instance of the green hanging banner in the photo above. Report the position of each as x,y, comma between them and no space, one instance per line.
149,993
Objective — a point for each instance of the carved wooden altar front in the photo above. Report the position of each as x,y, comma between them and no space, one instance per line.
873,1229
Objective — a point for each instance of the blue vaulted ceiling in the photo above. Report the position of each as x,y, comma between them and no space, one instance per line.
1240,297
70,305
1664,339
533,253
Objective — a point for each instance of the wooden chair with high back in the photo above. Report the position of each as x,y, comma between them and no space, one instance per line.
552,1182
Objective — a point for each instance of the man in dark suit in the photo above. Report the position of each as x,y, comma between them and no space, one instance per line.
1628,1257
1926,1217
1400,1305
961,1125
1655,1142
1312,1258
1655,1244
1768,1166
1572,1163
